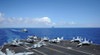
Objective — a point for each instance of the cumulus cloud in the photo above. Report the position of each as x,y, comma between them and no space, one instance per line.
44,19
31,22
1,14
25,22
72,23
66,24
1,17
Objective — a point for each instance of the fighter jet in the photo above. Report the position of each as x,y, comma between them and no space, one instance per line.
56,40
20,43
85,42
35,37
30,40
16,43
39,44
76,40
46,39
8,52
1,53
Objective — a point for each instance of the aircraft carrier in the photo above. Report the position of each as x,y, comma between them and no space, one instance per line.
65,47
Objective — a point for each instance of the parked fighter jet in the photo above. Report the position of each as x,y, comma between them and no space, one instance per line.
39,44
56,40
76,40
85,42
46,39
8,52
16,43
30,40
35,37
20,43
1,53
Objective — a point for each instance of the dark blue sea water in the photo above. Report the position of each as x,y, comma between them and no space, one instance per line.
9,34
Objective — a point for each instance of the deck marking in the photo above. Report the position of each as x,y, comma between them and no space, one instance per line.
36,50
72,49
55,50
26,48
39,51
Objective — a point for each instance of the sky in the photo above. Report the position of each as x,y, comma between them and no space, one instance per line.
48,13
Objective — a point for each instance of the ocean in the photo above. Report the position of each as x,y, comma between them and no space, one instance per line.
9,34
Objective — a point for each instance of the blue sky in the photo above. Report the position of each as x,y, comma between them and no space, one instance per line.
47,13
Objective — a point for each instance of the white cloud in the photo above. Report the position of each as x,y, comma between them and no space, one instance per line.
30,22
72,23
1,17
66,24
38,22
1,14
25,22
43,19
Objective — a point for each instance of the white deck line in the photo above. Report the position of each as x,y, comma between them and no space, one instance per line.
56,50
39,51
26,48
36,50
72,49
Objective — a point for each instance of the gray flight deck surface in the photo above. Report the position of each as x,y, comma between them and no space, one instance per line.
62,48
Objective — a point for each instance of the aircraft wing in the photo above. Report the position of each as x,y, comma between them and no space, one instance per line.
1,53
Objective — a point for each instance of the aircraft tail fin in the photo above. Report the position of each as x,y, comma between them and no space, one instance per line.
1,53
9,52
62,38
